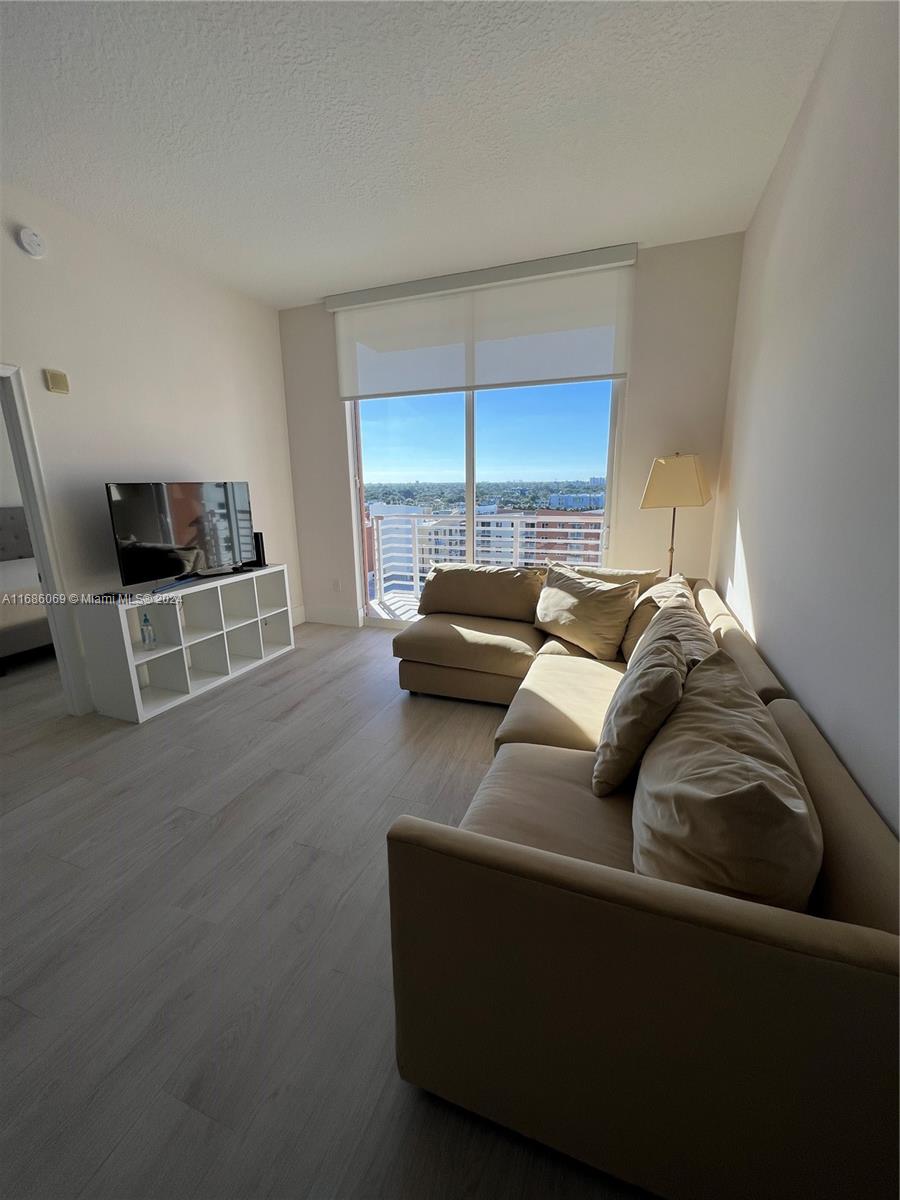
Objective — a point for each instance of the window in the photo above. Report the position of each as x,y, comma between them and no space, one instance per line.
510,476
541,463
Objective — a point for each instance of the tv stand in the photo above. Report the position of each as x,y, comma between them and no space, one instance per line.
208,631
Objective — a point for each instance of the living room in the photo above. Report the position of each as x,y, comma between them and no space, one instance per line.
533,770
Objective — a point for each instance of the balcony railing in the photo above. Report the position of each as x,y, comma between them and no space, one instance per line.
404,546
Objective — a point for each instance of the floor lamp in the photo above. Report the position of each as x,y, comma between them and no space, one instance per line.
676,481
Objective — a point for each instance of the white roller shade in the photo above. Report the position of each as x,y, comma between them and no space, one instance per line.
573,326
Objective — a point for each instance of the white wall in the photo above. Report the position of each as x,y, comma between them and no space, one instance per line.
807,523
172,377
323,489
685,300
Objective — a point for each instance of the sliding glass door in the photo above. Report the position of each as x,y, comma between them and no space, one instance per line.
412,452
510,476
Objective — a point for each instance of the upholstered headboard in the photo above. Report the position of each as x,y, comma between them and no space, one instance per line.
14,539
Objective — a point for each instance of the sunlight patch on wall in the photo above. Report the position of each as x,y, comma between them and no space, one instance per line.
737,589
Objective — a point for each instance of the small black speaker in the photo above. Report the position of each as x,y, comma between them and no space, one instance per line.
260,545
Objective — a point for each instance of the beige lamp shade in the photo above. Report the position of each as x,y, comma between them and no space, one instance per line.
676,481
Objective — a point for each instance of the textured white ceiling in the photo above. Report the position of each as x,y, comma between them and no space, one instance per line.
298,149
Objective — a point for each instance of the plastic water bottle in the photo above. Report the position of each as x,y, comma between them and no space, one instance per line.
148,635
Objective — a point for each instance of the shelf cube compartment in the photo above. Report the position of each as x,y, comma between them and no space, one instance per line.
201,614
163,618
238,602
162,681
276,632
244,646
207,662
271,592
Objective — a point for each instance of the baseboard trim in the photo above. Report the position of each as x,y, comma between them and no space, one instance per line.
329,615
386,623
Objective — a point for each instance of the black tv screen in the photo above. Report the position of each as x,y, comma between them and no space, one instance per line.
168,529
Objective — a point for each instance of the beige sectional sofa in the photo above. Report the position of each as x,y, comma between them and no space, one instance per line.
701,1046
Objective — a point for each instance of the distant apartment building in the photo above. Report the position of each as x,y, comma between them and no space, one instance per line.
403,540
570,541
495,536
401,544
576,501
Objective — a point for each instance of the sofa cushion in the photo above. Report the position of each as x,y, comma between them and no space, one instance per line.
720,803
674,589
485,644
509,593
646,577
649,691
588,612
561,702
541,796
682,620
556,645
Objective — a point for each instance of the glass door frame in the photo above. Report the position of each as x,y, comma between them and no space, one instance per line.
617,398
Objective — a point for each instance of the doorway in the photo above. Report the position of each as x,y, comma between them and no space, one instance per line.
37,624
26,643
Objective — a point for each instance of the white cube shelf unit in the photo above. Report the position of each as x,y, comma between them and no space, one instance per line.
206,633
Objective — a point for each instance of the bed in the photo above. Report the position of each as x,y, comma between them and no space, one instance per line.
23,624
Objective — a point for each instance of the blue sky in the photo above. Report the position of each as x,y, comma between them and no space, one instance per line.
559,431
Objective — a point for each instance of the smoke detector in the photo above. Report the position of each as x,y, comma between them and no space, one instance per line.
32,242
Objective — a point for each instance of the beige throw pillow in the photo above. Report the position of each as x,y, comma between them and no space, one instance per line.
649,602
588,612
684,622
646,577
649,691
720,803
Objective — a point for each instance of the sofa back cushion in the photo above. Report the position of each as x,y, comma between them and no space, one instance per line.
720,803
588,612
675,589
730,635
645,577
684,622
742,649
712,606
509,593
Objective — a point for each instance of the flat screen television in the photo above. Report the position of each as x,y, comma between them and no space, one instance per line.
164,530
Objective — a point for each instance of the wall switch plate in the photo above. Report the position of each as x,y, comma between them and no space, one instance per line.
56,381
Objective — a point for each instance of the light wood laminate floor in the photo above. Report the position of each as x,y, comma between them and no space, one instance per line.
196,995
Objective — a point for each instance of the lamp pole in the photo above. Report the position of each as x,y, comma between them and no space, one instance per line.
672,543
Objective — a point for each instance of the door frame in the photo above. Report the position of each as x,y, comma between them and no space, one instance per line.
29,471
613,461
